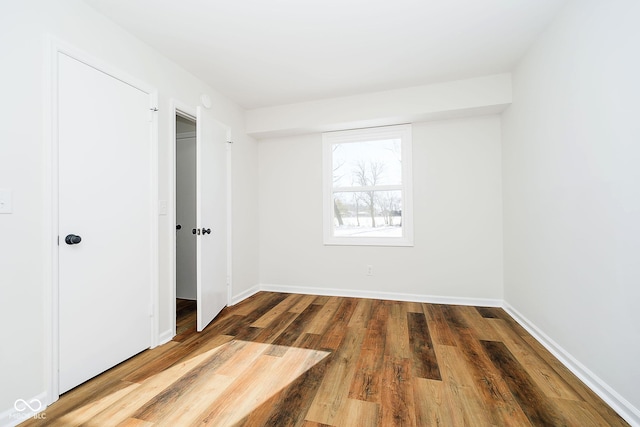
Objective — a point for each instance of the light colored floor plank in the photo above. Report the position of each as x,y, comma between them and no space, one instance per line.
323,319
334,389
356,413
272,314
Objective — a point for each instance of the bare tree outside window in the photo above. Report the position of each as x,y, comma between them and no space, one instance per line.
366,189
336,177
368,175
359,169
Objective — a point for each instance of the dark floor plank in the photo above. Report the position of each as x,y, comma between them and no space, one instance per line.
539,409
589,396
488,312
425,363
494,392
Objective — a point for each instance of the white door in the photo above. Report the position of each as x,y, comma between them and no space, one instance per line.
211,217
105,178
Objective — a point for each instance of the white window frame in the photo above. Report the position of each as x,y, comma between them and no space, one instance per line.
403,132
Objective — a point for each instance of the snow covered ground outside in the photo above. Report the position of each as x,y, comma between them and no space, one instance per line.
350,228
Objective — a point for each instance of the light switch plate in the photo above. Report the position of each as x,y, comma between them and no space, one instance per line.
5,202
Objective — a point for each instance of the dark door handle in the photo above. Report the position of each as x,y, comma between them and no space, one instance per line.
72,239
206,231
178,227
195,231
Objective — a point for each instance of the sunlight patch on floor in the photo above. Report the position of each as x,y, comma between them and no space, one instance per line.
219,387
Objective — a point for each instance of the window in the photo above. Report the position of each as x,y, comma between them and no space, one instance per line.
367,187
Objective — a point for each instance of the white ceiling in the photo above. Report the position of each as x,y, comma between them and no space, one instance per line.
270,52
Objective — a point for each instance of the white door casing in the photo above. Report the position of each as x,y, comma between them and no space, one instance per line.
211,216
105,195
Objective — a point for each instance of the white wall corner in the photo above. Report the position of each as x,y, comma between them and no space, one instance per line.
24,409
619,404
235,299
352,293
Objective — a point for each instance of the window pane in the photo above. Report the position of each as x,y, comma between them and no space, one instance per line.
367,213
357,164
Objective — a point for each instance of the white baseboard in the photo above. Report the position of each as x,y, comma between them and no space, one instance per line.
484,302
619,404
244,295
165,337
34,407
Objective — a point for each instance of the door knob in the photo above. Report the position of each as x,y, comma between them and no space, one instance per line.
178,227
72,239
206,231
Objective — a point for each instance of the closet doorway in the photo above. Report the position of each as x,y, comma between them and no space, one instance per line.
186,278
201,250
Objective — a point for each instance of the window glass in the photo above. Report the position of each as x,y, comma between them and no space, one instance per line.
367,188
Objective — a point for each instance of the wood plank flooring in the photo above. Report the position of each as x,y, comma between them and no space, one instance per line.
302,360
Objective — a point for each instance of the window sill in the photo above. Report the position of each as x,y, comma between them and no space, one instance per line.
368,241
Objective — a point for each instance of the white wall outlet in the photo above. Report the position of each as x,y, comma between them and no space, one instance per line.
369,270
5,202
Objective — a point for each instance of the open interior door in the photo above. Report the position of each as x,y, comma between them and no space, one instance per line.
211,217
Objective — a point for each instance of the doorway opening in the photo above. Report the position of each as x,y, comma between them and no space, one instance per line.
186,199
200,180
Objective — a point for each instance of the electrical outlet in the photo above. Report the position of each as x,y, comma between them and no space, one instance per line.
369,270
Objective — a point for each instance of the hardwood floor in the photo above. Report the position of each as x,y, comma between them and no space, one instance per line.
302,360
185,315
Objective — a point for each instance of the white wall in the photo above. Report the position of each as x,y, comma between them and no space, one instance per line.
457,218
461,98
23,26
571,172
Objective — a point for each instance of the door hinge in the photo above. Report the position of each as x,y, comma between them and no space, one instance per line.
229,142
151,111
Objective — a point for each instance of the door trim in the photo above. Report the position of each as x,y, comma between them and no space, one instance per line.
180,108
53,48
